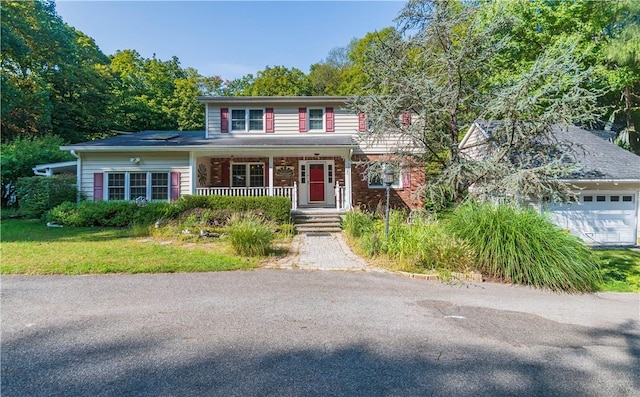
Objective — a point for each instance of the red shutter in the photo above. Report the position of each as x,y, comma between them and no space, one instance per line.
224,120
98,186
302,119
329,118
175,185
406,120
269,119
362,122
225,177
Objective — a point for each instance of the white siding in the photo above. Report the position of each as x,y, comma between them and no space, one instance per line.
213,122
286,119
111,162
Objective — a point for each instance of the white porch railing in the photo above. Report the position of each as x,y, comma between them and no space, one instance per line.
282,191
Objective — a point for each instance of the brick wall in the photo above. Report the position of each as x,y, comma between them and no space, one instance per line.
405,197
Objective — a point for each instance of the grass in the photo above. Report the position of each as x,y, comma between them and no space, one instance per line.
620,269
29,247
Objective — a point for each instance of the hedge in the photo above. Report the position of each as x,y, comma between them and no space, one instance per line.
37,194
277,209
127,213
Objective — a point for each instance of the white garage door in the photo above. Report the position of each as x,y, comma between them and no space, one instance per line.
607,218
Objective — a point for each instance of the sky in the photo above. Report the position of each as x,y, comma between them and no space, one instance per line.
229,38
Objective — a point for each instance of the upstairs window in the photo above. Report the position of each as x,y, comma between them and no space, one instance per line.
247,120
316,119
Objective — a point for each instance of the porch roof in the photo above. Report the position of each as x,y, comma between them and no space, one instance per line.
195,140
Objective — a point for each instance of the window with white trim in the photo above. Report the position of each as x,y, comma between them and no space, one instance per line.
247,175
131,185
247,120
316,119
375,181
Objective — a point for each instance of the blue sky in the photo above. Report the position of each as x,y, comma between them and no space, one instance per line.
229,38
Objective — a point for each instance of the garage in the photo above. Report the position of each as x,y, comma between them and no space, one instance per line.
600,218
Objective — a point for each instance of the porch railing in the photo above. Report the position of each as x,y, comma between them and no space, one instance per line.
340,193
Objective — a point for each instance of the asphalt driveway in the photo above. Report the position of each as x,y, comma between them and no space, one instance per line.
310,333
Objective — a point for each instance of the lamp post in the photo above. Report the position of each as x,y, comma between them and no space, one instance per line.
388,181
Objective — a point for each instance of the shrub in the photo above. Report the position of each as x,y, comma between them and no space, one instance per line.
522,246
20,155
250,235
150,213
94,213
277,209
36,194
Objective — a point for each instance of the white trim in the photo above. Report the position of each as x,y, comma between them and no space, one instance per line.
247,119
247,173
206,121
127,184
193,159
324,119
270,175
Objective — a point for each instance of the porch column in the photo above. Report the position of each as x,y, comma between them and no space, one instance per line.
192,172
270,175
348,186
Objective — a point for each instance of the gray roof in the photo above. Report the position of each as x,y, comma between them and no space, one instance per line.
185,140
599,157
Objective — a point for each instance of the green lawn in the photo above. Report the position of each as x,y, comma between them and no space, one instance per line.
29,247
620,270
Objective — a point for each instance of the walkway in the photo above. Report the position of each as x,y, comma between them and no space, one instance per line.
320,251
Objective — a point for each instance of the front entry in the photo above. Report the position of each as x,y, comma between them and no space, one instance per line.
316,183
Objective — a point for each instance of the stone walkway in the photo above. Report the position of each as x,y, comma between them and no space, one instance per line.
320,251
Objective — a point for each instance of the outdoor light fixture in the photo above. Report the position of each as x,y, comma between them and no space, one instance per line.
135,160
388,180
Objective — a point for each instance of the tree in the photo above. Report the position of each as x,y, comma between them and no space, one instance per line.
52,75
439,68
280,81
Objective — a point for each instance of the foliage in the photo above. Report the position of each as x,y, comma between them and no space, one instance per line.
151,213
277,209
439,69
22,154
419,246
251,235
426,246
620,269
280,81
30,248
357,223
522,246
53,79
94,213
37,195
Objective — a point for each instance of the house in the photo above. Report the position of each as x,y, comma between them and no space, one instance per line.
607,207
304,148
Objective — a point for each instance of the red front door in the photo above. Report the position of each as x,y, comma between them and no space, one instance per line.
316,182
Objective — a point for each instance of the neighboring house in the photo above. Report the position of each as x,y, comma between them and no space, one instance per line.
607,209
304,148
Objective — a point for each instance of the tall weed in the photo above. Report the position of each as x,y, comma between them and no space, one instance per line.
522,246
250,235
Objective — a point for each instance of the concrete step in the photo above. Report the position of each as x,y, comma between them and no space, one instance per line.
318,229
316,219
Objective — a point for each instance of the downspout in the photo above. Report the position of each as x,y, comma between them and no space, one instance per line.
78,174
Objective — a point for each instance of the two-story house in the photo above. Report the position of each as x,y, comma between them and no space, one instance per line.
305,148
